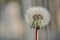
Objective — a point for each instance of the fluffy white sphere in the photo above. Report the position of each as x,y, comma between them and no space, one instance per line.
37,10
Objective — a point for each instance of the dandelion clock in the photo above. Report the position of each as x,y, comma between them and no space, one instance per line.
37,17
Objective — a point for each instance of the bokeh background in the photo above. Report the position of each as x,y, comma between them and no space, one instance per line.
12,21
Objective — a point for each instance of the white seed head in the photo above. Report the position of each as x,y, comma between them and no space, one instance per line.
36,11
